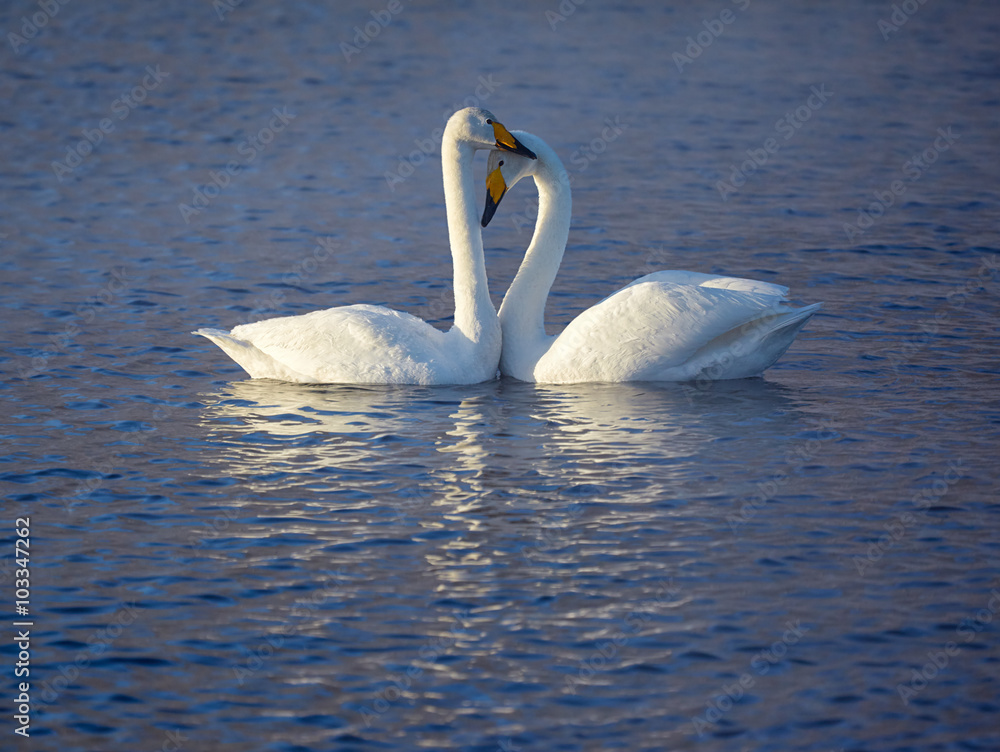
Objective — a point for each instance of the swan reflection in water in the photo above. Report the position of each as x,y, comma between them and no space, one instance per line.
501,474
460,445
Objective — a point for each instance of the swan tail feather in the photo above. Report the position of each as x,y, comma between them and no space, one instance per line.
254,361
748,350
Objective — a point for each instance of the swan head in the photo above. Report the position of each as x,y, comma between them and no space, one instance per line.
503,170
482,129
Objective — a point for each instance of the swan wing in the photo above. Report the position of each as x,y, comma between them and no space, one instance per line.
359,344
701,279
660,330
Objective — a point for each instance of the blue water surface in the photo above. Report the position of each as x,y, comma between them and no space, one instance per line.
804,561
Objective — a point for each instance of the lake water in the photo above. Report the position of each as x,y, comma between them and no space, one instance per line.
805,561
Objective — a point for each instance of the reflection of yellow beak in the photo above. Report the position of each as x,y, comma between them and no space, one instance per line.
496,187
507,142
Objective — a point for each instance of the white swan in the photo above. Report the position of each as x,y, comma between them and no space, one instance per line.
365,344
666,326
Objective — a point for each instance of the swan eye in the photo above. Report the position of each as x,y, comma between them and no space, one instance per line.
489,122
500,164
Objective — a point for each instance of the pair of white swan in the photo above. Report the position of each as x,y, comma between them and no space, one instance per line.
667,326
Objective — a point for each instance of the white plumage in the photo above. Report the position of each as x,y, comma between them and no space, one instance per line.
665,326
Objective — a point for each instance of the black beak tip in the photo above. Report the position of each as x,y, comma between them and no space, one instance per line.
518,148
488,212
524,151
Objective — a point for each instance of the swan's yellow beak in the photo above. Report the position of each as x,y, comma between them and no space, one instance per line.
507,142
496,187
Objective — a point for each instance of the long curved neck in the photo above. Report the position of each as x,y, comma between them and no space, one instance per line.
473,308
522,314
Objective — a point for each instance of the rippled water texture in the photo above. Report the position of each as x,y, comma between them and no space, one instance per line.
806,561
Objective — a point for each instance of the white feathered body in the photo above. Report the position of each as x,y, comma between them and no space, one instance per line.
670,326
357,344
665,326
